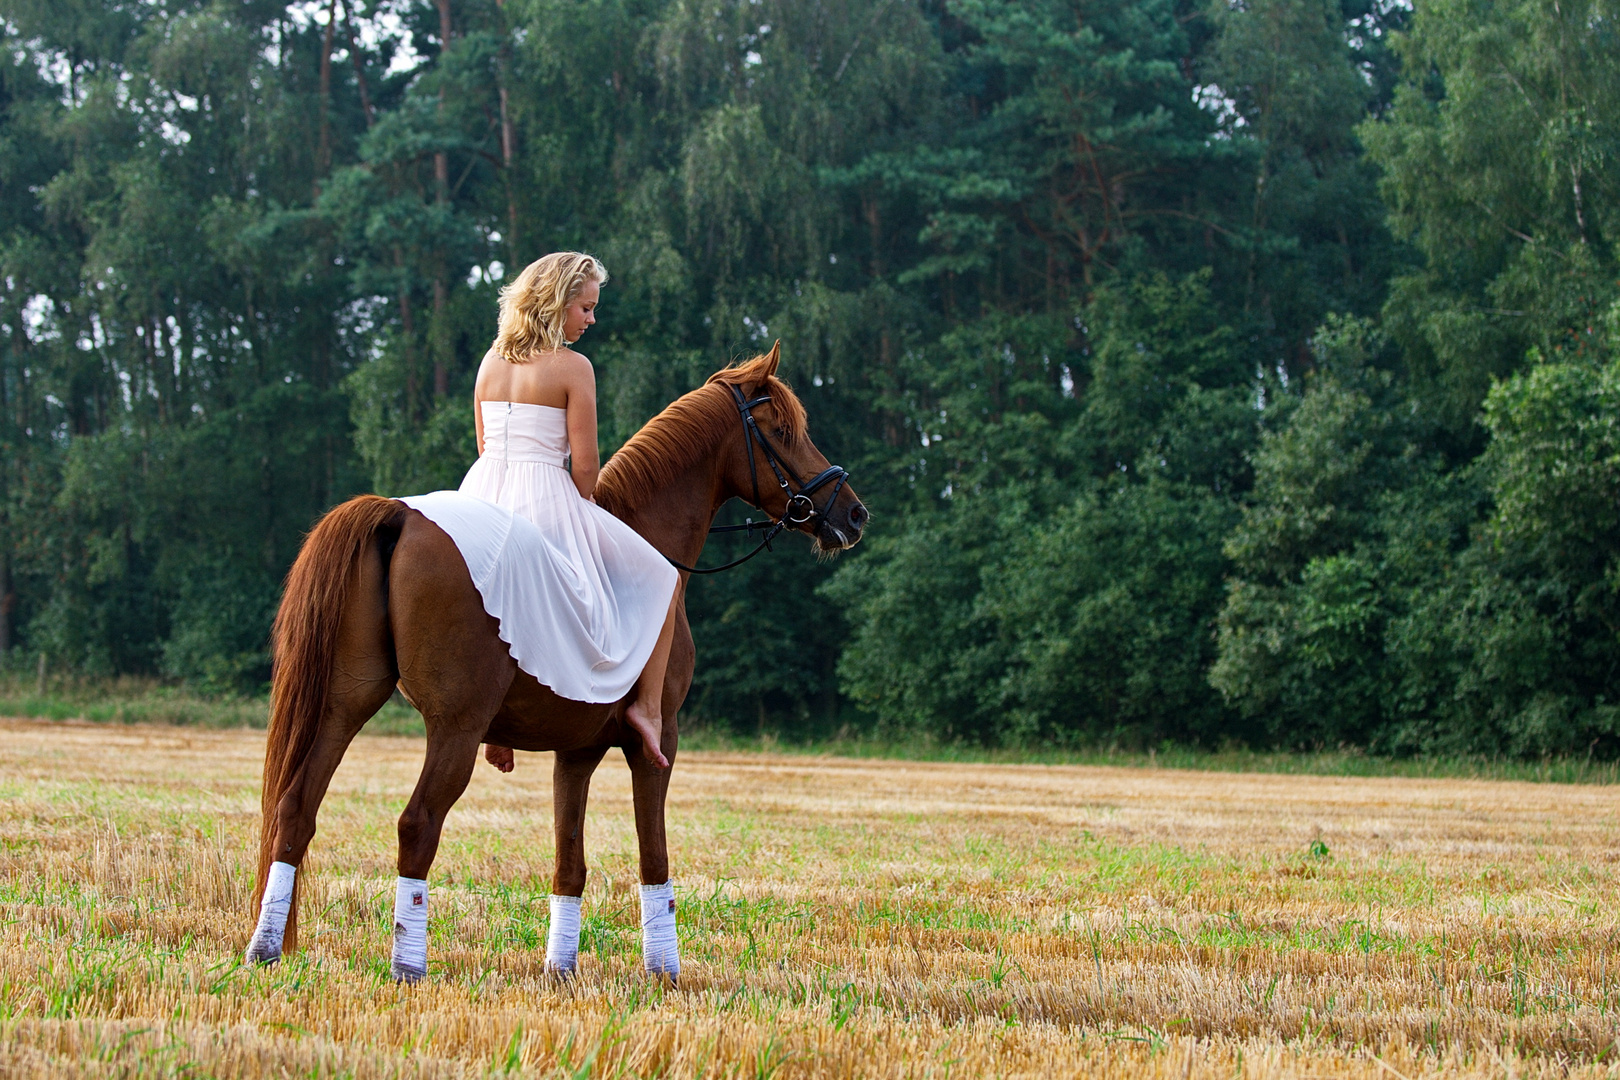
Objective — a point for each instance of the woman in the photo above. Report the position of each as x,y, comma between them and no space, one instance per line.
535,408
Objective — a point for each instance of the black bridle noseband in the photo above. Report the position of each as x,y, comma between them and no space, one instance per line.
801,507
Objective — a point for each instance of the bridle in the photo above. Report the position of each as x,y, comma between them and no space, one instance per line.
801,506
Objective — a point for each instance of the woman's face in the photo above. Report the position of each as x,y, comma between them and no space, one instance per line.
581,312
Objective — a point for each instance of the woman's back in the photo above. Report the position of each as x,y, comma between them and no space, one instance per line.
562,386
545,379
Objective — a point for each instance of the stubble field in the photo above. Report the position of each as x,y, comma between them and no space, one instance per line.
838,919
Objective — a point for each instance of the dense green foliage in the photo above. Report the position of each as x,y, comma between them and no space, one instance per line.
1215,372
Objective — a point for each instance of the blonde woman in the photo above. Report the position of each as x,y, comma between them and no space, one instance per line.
609,613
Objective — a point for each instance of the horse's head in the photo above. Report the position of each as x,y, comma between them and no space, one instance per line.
771,463
741,434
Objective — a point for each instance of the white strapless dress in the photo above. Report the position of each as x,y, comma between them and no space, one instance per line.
579,595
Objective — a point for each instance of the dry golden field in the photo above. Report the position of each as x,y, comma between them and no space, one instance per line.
838,919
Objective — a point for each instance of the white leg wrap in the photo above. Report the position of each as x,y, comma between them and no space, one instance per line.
659,949
562,938
410,929
265,948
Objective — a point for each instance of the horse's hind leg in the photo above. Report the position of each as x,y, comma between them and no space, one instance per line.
458,716
346,714
277,930
361,681
570,787
455,669
450,758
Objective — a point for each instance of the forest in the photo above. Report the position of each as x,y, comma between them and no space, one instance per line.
1218,372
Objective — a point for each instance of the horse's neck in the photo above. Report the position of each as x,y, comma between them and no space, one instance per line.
676,517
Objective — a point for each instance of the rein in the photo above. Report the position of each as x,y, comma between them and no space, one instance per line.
801,507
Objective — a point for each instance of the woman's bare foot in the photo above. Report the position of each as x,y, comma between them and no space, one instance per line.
651,730
500,756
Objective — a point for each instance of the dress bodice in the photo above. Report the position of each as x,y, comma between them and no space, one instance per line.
518,431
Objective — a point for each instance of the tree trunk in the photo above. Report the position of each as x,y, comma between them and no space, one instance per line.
503,72
874,232
359,69
7,600
323,153
441,159
441,195
503,77
160,346
1580,207
441,337
407,321
6,420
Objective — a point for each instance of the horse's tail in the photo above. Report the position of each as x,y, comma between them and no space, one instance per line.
304,642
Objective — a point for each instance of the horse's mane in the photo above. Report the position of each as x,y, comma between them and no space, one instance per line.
673,440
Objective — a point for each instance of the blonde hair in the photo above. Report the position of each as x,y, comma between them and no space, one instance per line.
532,304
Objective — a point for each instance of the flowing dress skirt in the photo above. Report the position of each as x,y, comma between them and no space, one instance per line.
579,595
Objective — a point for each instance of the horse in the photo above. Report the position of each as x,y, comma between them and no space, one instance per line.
380,599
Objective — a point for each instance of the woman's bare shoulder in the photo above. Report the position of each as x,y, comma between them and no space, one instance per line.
548,378
490,371
575,361
552,362
574,369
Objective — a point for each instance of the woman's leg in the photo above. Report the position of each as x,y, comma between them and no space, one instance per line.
646,713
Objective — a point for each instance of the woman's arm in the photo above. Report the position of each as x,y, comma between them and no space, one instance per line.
478,400
585,457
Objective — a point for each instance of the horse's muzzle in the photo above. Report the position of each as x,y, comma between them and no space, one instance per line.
833,536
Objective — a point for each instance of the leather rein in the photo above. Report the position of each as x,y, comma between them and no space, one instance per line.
801,507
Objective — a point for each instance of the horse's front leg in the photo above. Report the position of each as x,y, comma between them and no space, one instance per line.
649,783
570,788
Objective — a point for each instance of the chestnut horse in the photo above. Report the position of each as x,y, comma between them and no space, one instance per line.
380,598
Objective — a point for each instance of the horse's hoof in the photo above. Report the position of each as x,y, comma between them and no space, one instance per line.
410,976
262,952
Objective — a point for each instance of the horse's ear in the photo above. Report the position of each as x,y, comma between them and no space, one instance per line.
773,358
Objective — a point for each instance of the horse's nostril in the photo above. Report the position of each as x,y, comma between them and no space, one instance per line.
857,515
